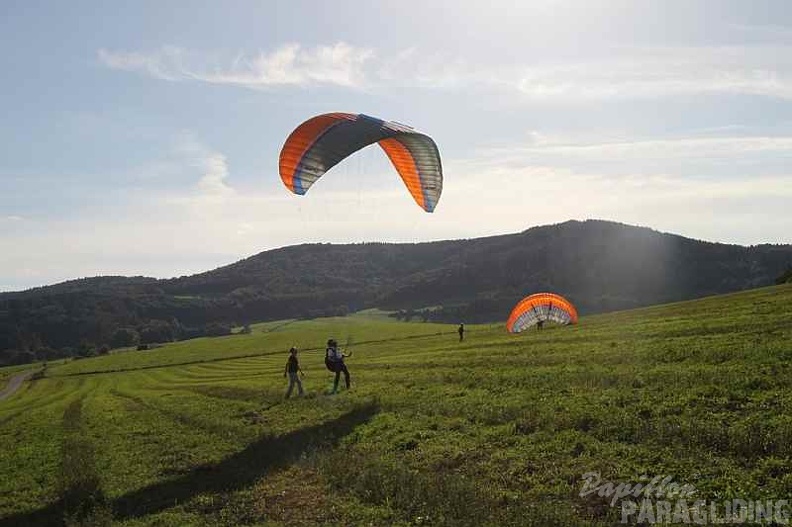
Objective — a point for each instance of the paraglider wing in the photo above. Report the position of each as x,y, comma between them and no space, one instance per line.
540,307
323,141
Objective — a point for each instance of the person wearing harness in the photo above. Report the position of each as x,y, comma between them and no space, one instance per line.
334,361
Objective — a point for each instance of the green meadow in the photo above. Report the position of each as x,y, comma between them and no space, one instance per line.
496,430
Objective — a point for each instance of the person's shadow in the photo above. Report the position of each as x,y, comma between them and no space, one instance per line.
235,472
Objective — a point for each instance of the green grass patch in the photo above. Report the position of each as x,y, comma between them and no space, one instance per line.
496,430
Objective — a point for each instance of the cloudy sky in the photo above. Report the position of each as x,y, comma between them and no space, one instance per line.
142,138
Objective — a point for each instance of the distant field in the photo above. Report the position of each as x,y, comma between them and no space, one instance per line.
7,372
271,338
496,430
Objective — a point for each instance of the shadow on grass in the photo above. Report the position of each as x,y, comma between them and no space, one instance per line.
233,473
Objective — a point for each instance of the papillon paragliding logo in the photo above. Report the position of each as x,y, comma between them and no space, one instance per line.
323,141
661,500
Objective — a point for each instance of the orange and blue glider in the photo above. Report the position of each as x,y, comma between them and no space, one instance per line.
323,141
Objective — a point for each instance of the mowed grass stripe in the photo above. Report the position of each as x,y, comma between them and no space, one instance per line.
31,457
41,394
239,347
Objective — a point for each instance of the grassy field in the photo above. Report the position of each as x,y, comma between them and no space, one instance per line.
9,371
496,430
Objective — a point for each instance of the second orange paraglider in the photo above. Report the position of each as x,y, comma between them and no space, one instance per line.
538,308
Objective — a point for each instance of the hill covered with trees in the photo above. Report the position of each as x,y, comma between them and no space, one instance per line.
598,265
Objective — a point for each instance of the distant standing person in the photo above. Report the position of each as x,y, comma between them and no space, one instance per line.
292,368
461,332
334,360
539,325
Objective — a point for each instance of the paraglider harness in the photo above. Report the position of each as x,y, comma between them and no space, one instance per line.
332,364
334,360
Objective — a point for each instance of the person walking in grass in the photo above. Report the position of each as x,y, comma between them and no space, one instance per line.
461,332
334,360
292,369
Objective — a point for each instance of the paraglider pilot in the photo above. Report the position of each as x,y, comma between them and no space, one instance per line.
292,368
334,360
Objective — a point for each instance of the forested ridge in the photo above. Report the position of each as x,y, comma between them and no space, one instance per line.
598,265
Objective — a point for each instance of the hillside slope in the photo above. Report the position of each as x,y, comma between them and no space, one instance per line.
497,430
598,265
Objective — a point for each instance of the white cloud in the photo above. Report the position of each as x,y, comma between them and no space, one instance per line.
289,65
723,161
164,64
213,183
627,73
670,150
732,211
201,164
636,73
630,73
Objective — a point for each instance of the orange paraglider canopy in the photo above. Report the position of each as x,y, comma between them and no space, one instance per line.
538,308
323,141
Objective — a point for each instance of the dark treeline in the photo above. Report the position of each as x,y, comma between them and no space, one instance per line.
599,266
786,277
